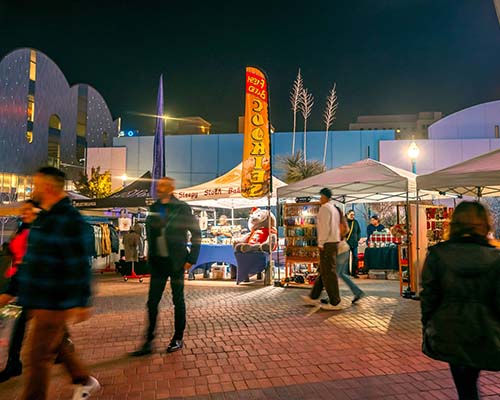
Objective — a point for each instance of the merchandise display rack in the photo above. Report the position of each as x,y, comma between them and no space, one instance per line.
301,253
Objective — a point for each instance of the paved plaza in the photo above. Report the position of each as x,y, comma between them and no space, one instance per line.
256,342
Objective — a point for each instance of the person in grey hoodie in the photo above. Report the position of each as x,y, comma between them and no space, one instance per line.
460,299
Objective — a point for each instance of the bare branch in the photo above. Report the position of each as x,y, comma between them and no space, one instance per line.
306,103
295,100
331,107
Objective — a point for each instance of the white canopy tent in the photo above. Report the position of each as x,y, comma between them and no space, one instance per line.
224,192
478,177
365,181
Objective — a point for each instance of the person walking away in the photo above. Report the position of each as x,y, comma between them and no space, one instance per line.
17,247
328,228
353,236
167,226
53,285
460,299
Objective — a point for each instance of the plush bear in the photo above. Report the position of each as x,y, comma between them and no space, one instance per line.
260,237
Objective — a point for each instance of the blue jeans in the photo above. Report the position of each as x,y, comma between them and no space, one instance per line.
343,273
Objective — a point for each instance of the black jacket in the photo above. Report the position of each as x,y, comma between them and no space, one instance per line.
460,304
178,222
354,233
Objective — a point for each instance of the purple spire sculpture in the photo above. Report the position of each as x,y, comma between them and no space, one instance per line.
158,146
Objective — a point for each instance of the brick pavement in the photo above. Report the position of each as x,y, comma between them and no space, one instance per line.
255,342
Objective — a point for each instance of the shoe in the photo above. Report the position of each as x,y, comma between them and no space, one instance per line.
84,391
326,300
146,349
12,369
175,345
356,276
331,307
309,301
358,297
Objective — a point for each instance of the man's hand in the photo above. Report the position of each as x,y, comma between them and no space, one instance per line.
321,248
5,299
187,266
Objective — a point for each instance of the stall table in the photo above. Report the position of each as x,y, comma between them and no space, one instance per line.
381,258
210,253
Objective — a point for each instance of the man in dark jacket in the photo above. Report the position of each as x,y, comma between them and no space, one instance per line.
167,227
352,239
53,285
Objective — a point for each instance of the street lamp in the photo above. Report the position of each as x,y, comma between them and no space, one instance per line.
413,153
124,179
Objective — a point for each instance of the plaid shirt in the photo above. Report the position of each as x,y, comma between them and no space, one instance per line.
55,272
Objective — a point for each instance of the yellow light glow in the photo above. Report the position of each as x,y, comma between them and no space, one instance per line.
413,151
124,177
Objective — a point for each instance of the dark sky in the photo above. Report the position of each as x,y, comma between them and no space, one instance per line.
387,56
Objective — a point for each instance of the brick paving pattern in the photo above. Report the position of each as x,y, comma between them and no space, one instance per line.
255,342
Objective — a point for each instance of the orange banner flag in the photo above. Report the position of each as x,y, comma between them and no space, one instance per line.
256,173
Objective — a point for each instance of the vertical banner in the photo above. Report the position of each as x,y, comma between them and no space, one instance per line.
256,172
158,146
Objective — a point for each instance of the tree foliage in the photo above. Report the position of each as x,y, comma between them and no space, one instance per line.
96,186
297,169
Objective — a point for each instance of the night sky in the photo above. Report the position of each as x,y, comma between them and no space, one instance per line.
387,56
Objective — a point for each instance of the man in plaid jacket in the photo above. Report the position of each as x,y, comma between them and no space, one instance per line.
53,284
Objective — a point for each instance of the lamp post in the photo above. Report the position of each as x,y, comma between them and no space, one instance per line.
413,153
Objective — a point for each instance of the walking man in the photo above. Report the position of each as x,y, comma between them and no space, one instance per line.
352,239
167,226
328,227
53,286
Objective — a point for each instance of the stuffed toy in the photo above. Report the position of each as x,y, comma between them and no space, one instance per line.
260,237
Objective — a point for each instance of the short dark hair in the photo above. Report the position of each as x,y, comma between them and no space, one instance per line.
326,192
470,218
56,174
375,216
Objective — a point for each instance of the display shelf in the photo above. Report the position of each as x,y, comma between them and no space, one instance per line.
300,238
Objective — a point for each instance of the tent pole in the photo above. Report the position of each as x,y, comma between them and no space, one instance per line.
270,264
417,247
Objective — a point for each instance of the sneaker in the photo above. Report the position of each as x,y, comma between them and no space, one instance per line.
13,368
326,300
147,348
331,307
175,345
84,391
309,301
358,297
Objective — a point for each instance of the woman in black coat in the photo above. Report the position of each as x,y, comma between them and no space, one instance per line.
461,299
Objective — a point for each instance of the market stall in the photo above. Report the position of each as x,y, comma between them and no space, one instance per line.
365,181
475,178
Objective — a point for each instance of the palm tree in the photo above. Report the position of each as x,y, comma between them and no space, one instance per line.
296,169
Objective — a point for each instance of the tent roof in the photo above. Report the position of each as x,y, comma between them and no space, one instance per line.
224,192
136,194
221,192
479,176
362,181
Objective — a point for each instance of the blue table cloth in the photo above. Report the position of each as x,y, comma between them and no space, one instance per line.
250,264
210,253
381,258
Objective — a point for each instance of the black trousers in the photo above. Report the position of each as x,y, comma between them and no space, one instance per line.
327,277
16,340
465,379
162,268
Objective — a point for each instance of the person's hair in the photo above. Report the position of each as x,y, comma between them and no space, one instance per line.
470,218
55,174
375,217
326,192
350,211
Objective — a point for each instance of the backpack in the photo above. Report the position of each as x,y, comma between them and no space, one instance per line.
343,226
